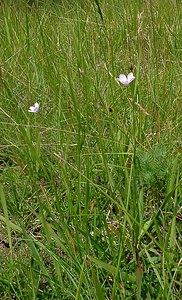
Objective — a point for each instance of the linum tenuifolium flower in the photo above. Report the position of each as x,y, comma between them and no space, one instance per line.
126,80
34,108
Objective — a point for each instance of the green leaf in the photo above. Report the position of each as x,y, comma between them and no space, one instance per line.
6,218
111,269
97,285
78,291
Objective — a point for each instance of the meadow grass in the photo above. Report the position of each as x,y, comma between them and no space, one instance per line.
90,190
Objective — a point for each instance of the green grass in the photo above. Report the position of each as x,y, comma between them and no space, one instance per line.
90,191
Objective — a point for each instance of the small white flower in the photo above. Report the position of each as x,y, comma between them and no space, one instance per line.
126,80
34,108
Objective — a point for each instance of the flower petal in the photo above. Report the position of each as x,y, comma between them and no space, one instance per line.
37,105
31,108
130,77
122,78
35,108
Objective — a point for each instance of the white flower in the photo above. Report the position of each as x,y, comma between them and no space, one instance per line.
126,80
34,108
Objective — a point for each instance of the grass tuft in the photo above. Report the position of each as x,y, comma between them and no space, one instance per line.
90,192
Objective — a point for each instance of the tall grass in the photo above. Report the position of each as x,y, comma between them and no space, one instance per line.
91,184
